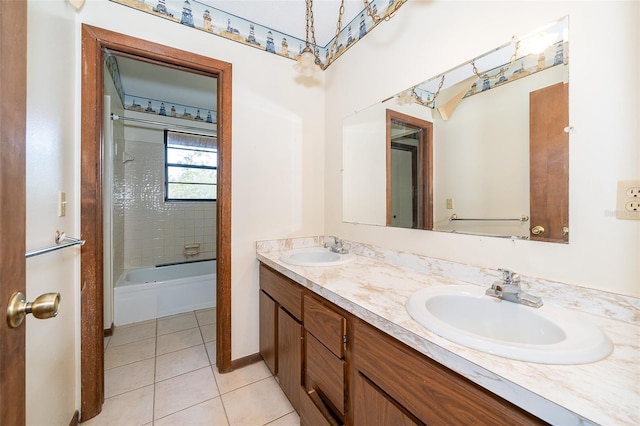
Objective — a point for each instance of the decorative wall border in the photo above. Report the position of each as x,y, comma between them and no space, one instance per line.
207,18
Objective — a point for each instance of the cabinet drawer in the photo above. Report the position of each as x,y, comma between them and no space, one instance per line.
328,326
287,293
324,373
427,390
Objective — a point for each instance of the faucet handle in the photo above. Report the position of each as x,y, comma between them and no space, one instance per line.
509,276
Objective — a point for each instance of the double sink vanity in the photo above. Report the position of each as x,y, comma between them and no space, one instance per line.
361,335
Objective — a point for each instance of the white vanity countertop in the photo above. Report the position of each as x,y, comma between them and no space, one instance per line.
606,392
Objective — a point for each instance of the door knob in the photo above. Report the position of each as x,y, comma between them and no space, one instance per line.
45,306
537,230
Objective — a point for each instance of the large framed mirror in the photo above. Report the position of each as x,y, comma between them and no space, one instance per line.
479,149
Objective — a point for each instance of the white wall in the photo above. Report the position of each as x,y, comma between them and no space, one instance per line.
52,346
426,38
278,153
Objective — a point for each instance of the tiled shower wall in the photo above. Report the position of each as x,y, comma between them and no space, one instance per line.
156,232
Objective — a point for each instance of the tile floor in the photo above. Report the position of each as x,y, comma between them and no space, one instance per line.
162,372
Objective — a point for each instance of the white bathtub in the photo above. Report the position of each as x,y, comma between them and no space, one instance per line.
154,292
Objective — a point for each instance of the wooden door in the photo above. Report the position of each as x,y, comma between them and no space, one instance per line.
13,84
549,163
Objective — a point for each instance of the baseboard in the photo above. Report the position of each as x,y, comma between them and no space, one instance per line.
75,419
109,331
244,361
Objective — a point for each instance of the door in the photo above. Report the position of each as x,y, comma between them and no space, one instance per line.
404,185
549,163
13,71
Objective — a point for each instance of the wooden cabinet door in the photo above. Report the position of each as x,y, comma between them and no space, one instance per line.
372,407
268,324
289,357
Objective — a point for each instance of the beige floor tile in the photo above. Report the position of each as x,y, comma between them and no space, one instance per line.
211,351
206,316
106,342
128,377
175,323
178,340
180,362
244,376
133,333
116,356
207,413
256,404
131,408
208,332
184,391
291,419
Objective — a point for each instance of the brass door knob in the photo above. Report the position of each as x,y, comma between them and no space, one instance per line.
537,230
45,306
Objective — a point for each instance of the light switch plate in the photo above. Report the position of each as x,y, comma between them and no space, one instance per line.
62,204
628,201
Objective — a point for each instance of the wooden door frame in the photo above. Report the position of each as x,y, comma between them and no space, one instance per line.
91,260
425,161
13,113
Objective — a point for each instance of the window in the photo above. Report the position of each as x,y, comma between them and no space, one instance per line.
191,172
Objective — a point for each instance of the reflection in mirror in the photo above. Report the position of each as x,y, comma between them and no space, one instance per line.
409,175
496,140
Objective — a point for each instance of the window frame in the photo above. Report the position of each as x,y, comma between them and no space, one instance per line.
167,165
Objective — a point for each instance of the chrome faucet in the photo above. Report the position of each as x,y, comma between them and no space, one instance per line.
509,289
337,246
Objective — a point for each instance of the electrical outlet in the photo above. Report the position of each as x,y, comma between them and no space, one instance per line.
632,206
449,203
628,205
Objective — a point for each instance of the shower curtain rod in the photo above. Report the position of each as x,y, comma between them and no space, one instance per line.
167,126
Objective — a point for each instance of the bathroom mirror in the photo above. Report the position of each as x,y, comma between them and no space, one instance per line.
479,149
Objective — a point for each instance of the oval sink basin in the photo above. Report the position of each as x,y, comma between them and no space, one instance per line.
548,335
316,256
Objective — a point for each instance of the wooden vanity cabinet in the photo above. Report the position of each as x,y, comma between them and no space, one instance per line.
369,379
394,384
281,330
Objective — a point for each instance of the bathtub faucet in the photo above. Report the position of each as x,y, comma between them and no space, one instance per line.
337,246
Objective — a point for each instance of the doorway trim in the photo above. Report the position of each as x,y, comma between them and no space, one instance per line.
91,221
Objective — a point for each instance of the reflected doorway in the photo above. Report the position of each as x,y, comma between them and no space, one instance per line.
409,171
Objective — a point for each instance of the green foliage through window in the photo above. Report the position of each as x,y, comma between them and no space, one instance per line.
191,172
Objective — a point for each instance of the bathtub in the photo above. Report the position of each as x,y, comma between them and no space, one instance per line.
154,292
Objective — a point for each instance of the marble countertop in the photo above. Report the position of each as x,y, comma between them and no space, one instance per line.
376,285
